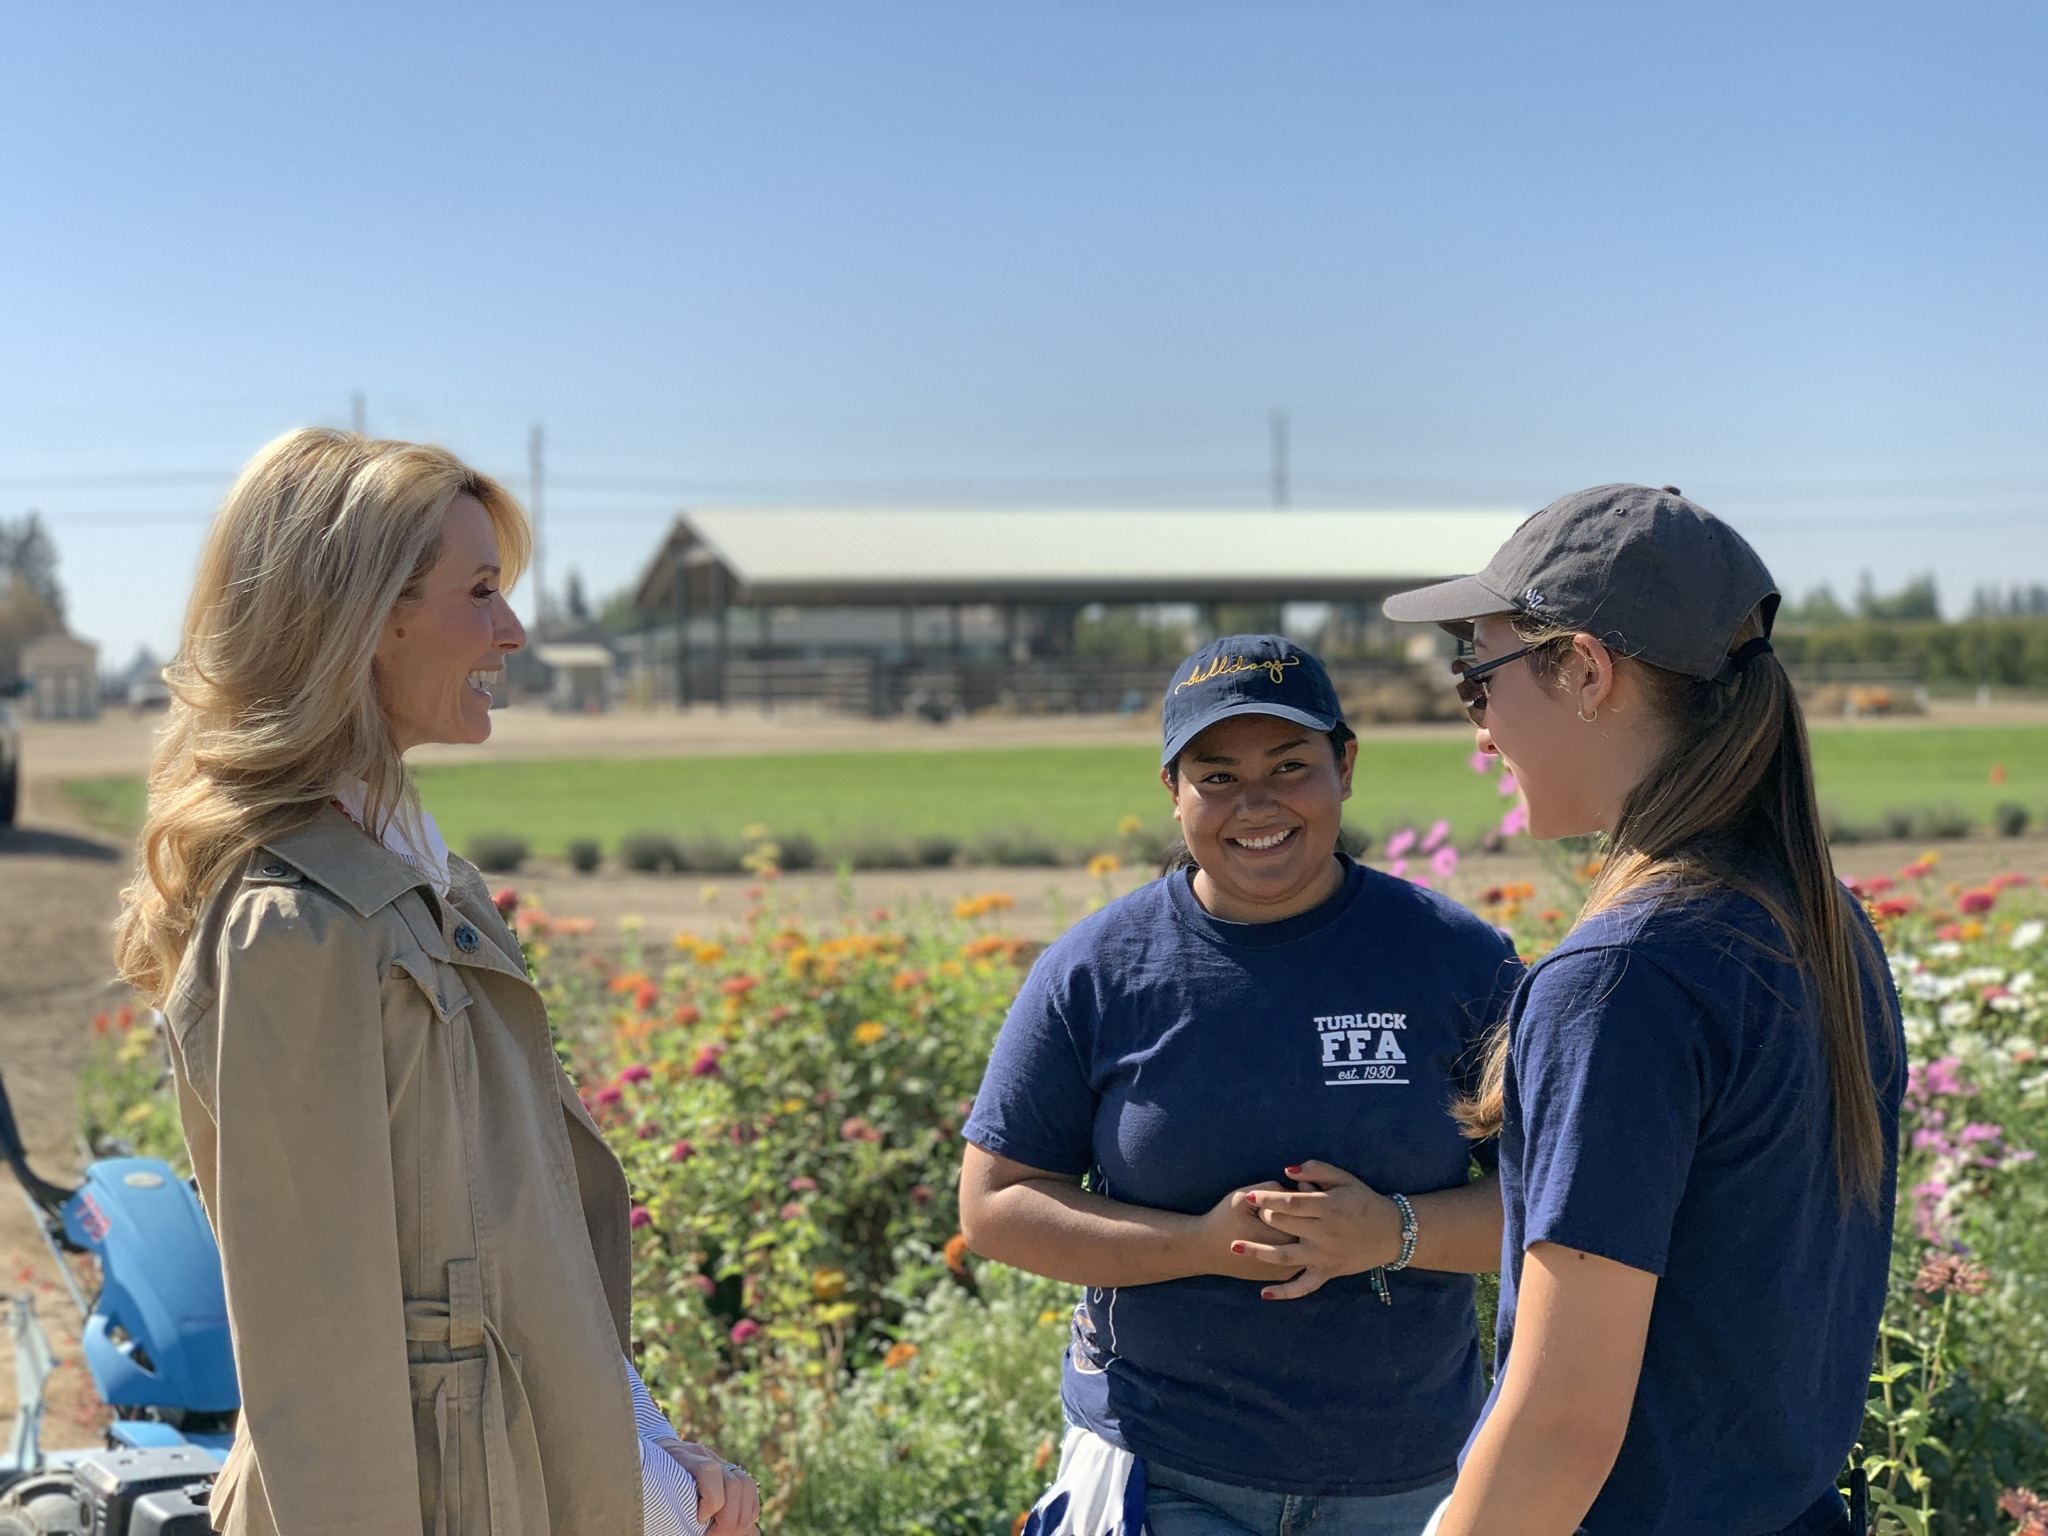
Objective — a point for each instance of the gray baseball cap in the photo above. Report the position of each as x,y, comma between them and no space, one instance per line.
1653,575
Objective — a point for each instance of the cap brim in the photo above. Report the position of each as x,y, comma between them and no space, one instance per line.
1463,597
1178,744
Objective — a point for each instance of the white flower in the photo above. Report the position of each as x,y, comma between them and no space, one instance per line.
2028,934
1957,1012
1947,949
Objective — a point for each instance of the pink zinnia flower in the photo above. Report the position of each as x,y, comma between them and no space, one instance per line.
681,1152
1481,762
1516,821
1445,863
802,1183
1434,838
636,1074
641,1217
1400,842
1508,786
744,1330
609,1095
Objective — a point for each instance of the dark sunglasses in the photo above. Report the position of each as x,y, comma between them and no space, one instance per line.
1472,679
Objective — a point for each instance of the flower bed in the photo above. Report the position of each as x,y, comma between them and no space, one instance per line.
787,1100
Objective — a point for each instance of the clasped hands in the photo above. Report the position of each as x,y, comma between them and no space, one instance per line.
1330,1224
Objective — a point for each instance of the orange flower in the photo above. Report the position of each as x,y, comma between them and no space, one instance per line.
632,981
868,1032
900,1354
905,980
956,1254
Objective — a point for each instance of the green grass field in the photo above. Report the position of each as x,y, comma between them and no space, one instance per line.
1077,795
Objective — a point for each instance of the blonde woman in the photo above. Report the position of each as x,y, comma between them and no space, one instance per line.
423,1234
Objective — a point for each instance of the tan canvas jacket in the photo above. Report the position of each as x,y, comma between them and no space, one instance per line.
424,1236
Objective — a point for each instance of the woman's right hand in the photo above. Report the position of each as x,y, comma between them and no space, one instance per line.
1234,1219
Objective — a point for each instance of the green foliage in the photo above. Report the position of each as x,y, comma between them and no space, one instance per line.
584,855
497,853
2006,652
787,1101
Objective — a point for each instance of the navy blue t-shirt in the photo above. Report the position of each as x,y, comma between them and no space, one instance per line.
1176,1057
1667,1107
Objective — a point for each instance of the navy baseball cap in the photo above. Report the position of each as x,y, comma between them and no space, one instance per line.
1246,675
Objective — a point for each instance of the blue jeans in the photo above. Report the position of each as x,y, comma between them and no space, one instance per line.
1181,1504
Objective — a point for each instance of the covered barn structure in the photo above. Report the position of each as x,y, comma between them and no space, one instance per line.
937,611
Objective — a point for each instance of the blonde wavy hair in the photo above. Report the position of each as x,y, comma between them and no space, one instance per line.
274,702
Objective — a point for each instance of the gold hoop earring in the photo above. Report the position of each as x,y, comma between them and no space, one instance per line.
1589,719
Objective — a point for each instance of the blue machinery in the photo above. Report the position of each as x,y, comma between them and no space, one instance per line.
155,1341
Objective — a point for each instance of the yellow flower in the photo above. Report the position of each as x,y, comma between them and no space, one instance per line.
828,1284
685,941
1050,1316
708,895
632,922
1130,826
792,1107
869,1032
135,1114
754,831
1104,865
709,954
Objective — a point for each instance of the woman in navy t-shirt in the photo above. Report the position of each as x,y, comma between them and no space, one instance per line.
1697,1093
1277,1012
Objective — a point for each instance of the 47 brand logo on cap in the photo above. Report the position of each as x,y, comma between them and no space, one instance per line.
1362,1048
1223,666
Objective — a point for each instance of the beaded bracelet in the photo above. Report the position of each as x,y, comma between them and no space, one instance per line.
1408,1232
1378,1278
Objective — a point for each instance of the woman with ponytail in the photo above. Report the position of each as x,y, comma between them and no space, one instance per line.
1697,1093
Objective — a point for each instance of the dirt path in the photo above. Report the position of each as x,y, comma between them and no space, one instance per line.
59,889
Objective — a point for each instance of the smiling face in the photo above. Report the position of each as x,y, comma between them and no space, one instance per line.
440,652
1572,726
1260,801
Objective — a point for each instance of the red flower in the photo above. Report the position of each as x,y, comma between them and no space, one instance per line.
921,1194
779,1012
1975,902
506,900
644,995
704,1285
649,1131
791,1211
1897,906
609,1095
744,1330
706,1064
853,1128
681,1152
802,1184
687,1014
739,986
636,1073
641,1217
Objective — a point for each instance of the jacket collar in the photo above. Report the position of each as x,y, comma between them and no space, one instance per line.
337,855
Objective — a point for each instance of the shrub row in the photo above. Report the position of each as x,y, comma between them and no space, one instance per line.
1923,823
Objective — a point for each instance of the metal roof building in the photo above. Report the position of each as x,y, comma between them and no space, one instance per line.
873,609
799,556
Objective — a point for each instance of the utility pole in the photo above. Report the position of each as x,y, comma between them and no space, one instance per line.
535,495
1279,458
358,414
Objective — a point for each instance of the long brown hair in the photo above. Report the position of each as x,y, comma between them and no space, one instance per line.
1734,789
273,698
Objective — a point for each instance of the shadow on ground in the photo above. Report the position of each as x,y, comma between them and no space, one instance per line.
36,843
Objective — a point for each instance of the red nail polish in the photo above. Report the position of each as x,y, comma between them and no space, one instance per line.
1237,1247
1265,1295
1251,1197
1292,1172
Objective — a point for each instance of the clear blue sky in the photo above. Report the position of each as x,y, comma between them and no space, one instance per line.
1788,257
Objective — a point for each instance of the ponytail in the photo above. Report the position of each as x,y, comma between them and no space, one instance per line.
1734,788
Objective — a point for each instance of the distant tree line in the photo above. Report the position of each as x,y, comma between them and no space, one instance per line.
2003,642
31,601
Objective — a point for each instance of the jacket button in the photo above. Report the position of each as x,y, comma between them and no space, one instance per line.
272,871
466,939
